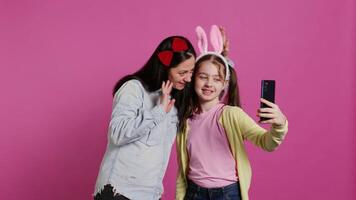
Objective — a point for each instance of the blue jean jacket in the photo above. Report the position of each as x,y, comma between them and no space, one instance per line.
140,138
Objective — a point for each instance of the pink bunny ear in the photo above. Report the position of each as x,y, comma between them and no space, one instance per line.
216,39
202,40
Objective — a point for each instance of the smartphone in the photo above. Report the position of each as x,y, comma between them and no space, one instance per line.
267,92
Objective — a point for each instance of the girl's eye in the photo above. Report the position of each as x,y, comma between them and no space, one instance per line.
203,77
217,79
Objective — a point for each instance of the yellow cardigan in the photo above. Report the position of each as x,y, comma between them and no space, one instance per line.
238,127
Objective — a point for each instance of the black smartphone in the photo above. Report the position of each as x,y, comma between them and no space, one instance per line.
267,92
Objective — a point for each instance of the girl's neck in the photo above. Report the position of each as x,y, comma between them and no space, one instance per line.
207,105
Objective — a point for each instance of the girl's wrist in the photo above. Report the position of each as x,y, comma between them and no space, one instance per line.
279,125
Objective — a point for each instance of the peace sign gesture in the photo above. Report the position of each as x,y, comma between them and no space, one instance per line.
275,115
166,100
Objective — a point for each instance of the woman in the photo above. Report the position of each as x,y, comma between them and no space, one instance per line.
144,123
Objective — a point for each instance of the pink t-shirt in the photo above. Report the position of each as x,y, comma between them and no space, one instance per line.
211,163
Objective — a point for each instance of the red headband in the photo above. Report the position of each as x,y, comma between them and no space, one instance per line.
178,44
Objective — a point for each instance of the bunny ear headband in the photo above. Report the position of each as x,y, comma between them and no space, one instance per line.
217,43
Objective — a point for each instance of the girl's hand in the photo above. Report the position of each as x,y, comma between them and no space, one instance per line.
226,43
274,114
166,102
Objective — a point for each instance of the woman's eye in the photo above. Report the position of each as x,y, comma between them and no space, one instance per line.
182,73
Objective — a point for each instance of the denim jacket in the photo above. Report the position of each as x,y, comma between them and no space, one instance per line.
140,138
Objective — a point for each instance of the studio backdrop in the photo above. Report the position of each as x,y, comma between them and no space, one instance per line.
59,61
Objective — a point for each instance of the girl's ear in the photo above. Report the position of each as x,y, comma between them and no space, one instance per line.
202,40
216,39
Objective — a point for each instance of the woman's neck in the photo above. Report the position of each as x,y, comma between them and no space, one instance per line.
207,105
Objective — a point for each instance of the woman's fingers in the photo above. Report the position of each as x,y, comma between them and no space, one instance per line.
223,33
170,86
225,41
167,87
166,102
163,84
170,105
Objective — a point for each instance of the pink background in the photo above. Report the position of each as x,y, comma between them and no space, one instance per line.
60,59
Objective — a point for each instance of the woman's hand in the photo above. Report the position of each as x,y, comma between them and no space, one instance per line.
166,100
274,114
226,44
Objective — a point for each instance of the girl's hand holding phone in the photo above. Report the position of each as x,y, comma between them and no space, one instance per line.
273,113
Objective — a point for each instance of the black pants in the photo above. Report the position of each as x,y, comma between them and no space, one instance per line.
108,194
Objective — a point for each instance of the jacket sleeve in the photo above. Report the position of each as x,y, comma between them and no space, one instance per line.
267,140
181,183
129,121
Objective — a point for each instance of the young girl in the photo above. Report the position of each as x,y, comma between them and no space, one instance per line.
144,123
213,163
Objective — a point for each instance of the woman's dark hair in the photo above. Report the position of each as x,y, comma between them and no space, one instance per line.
232,97
154,72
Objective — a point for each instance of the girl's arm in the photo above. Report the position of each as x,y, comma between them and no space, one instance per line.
129,121
267,140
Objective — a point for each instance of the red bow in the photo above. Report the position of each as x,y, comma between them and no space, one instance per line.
178,44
